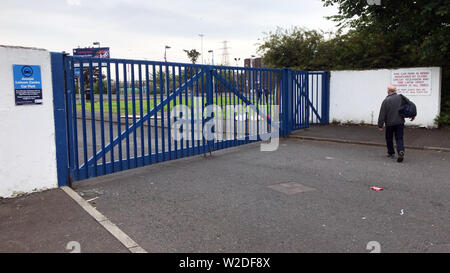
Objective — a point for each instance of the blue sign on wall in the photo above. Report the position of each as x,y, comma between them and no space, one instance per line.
27,84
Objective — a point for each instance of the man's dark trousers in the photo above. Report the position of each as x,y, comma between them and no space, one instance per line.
396,130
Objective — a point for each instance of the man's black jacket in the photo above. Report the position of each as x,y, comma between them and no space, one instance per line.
389,114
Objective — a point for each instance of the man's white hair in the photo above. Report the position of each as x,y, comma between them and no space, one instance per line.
392,88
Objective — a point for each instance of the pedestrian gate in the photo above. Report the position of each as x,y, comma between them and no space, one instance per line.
113,114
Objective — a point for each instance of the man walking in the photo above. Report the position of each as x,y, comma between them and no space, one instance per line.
389,115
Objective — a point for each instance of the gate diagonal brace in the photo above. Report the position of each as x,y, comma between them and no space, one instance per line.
238,94
303,93
143,119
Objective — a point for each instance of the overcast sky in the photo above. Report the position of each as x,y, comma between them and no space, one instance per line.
140,29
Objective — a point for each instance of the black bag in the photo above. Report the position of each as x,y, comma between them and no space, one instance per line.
407,109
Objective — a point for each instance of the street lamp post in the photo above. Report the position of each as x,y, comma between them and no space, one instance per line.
212,56
212,63
165,59
165,52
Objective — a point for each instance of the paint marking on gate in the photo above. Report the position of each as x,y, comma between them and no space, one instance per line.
123,238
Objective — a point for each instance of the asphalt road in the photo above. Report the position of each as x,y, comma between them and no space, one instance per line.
226,202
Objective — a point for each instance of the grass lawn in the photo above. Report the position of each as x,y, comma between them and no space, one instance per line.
219,101
122,106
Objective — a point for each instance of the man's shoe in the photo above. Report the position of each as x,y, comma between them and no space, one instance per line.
401,154
391,156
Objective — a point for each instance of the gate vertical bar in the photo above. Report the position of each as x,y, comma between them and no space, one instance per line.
119,152
73,126
83,120
92,99
191,96
174,86
180,76
125,95
149,125
71,132
109,94
141,114
196,114
161,94
102,118
156,114
133,113
167,84
59,110
307,105
202,84
186,71
209,97
287,102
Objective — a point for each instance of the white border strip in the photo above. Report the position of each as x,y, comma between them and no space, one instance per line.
131,245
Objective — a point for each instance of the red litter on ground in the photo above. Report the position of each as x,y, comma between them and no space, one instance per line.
376,188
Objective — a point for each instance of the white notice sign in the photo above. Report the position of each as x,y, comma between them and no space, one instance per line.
412,81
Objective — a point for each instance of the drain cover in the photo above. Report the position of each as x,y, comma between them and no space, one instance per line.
290,188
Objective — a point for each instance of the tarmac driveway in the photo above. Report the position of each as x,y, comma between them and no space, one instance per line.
237,200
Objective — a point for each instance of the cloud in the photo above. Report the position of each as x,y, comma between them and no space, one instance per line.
73,2
140,28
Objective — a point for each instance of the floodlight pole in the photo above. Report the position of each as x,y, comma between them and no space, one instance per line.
201,41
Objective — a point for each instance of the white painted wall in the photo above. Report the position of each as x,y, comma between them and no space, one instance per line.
356,96
27,133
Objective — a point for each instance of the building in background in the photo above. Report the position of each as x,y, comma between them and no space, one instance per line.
253,62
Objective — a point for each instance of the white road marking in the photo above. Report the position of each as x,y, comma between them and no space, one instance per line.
123,238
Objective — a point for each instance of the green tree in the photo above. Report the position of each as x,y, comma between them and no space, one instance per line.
192,54
295,47
422,24
317,50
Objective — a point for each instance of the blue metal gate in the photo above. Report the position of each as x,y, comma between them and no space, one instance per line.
310,98
120,114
